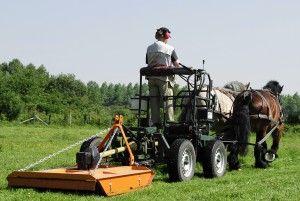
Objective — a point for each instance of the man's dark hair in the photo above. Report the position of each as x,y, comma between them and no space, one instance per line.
161,32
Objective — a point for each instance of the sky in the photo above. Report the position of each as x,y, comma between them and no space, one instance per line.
249,41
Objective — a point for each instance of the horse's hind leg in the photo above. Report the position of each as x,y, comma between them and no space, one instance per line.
276,138
260,151
233,160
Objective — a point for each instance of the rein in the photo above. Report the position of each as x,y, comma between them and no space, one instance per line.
254,144
268,134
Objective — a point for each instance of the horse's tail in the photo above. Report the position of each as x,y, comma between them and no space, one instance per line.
241,120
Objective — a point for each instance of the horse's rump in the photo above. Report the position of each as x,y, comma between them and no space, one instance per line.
264,110
224,101
264,102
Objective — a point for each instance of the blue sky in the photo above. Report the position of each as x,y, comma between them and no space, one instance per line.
249,41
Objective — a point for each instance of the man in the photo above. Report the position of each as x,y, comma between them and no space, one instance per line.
160,54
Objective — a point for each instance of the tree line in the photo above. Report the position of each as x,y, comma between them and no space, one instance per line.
29,90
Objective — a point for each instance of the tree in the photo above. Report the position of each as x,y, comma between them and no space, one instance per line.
94,93
130,93
291,108
10,105
103,92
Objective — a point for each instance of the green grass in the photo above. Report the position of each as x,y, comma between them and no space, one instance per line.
22,145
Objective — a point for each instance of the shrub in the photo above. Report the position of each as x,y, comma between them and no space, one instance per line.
291,108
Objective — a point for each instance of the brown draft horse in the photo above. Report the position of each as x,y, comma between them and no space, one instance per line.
258,111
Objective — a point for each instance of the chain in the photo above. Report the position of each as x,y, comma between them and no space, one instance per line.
106,147
60,151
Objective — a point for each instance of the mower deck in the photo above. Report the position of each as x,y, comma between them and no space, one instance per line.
111,180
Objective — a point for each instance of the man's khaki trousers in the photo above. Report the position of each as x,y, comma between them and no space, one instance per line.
160,88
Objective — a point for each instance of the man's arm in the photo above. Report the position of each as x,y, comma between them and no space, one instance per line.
174,59
176,63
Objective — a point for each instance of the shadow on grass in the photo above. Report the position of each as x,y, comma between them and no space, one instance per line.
72,192
161,172
98,192
200,175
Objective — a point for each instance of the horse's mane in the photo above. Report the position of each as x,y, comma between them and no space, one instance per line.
271,83
274,86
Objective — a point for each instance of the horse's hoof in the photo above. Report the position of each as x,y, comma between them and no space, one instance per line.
261,165
273,152
269,156
236,166
234,169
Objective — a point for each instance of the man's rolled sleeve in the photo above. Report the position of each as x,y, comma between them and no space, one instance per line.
174,56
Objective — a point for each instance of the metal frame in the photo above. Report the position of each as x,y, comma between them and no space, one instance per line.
195,80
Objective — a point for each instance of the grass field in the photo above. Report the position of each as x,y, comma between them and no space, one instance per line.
22,145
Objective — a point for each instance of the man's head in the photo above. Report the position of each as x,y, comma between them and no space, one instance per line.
163,34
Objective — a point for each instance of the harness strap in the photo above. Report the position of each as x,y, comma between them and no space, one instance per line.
221,114
268,134
264,101
262,116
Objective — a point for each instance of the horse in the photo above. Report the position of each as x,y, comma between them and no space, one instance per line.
258,111
224,98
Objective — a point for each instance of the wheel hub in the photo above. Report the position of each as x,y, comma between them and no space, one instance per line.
219,161
186,163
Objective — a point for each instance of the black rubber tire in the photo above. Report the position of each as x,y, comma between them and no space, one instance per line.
214,159
90,146
181,148
93,142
